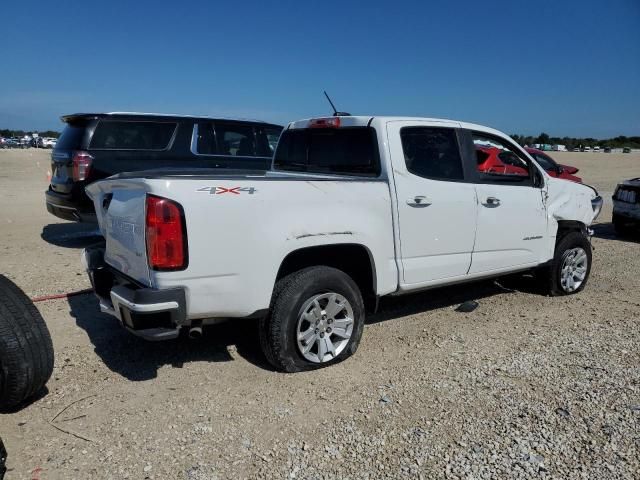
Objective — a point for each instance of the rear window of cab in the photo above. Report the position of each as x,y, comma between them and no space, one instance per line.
345,150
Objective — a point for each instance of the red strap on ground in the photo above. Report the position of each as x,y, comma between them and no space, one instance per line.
61,295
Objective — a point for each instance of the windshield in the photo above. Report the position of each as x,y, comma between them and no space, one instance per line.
545,162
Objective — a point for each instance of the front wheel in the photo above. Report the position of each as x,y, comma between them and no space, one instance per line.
571,265
316,319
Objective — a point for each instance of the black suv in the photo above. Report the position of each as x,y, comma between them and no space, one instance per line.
97,145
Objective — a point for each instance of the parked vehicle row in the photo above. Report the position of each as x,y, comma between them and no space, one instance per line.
352,209
26,142
96,146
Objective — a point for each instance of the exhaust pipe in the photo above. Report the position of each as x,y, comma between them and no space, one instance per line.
195,333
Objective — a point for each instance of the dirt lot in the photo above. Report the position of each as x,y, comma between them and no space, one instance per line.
523,387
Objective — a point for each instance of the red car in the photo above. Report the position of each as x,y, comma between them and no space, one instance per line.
496,160
552,168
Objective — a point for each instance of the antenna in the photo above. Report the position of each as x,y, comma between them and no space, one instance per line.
335,112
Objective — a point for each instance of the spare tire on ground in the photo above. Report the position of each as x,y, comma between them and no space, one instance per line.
26,351
3,460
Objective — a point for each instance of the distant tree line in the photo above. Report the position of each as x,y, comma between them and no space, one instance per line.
571,142
6,133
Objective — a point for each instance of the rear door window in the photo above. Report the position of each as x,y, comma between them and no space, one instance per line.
351,150
235,140
132,135
266,141
206,141
432,152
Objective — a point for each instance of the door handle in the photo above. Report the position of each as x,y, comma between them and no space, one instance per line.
492,202
419,201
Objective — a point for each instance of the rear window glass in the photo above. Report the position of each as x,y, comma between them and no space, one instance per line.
71,138
351,150
126,135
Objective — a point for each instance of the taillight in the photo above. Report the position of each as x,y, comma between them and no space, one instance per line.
166,234
330,122
81,165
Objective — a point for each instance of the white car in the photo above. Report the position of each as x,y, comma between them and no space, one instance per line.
49,142
353,209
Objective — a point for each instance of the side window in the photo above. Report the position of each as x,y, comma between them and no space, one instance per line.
132,135
235,140
496,159
206,141
266,141
432,152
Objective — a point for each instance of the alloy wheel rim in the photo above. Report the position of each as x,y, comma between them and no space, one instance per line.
574,269
325,325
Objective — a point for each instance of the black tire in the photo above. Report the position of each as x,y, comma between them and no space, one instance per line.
278,329
551,275
26,350
621,226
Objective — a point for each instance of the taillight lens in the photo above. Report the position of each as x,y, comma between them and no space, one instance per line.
81,165
166,234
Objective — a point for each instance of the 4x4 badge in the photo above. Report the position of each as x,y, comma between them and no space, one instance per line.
231,190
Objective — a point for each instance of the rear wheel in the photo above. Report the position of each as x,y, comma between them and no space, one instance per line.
571,265
26,350
316,319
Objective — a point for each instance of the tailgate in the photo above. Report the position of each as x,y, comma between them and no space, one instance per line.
120,208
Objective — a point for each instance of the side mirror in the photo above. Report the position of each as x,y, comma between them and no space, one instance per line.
560,170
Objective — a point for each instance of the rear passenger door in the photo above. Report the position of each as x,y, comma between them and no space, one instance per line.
512,221
437,206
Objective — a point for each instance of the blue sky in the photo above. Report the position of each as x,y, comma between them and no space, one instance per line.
564,67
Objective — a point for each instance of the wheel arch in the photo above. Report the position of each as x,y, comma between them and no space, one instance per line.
355,259
568,226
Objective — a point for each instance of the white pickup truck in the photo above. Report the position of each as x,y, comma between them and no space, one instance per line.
353,208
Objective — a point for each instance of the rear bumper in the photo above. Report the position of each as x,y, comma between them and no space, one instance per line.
62,206
146,312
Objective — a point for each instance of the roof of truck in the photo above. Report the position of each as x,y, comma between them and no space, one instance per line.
363,121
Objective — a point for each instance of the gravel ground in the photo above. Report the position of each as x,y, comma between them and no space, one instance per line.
525,386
